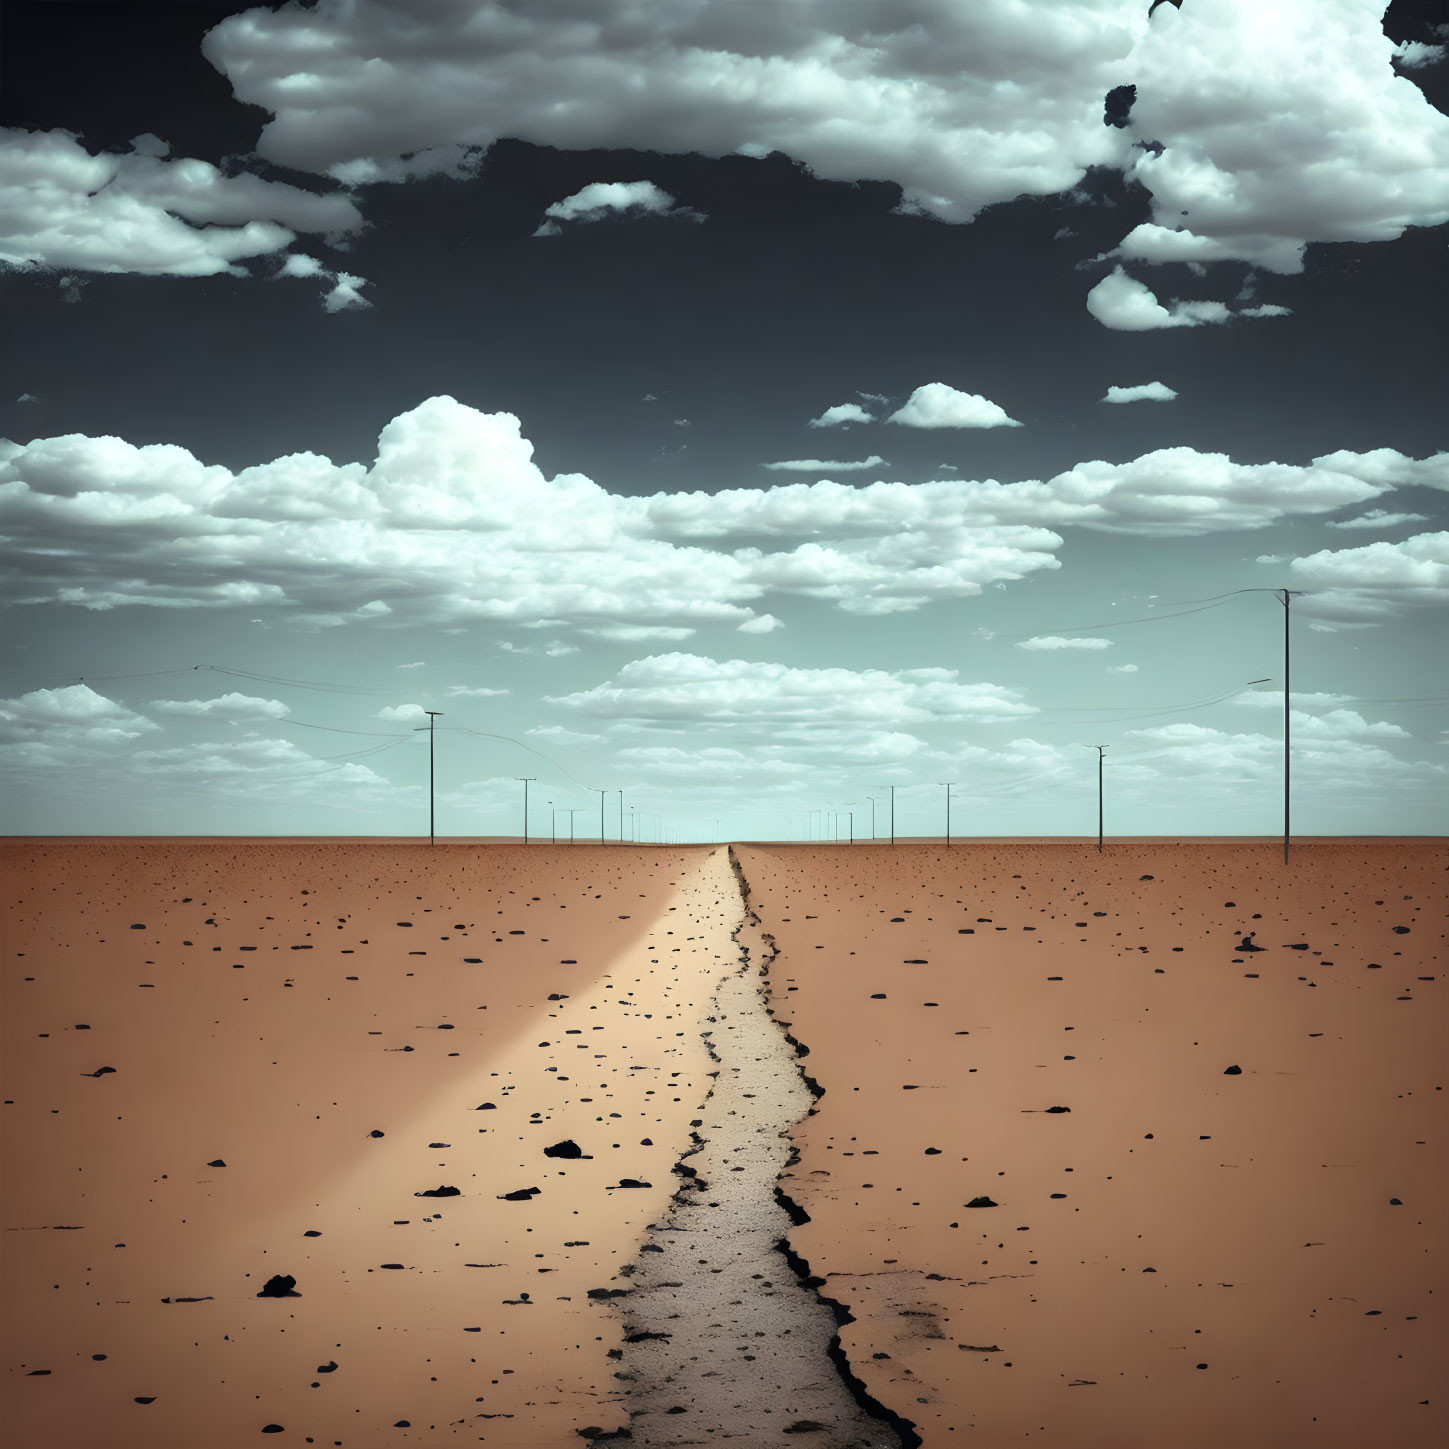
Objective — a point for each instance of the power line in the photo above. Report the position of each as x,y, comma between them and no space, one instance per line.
1217,602
484,734
321,688
338,730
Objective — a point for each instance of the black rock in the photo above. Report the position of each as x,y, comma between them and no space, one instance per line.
981,1202
1117,105
1246,944
438,1192
1232,1071
330,1367
1059,1109
522,1195
630,1182
566,1148
216,1162
99,1072
281,1285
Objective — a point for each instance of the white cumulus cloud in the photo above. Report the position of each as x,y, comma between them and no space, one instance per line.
453,521
841,413
232,706
1127,305
820,465
1140,392
695,687
1375,581
62,207
1377,518
1243,154
1057,641
601,199
937,405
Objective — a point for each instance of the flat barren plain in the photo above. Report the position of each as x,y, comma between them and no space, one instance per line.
375,1143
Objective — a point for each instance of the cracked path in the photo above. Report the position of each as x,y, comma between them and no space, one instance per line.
723,1339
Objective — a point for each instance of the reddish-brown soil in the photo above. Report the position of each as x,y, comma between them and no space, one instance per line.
1234,1233
1187,1255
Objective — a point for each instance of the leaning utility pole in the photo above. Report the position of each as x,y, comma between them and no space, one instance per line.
525,779
432,714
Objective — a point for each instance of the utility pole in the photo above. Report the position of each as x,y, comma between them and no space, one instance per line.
633,833
602,793
948,814
1285,597
571,814
1099,749
871,798
432,714
892,789
851,815
621,816
525,779
552,823
1287,752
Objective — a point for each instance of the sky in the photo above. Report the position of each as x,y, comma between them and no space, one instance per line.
727,410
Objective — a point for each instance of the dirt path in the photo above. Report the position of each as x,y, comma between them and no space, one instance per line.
723,1338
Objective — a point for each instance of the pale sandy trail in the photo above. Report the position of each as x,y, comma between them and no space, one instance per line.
724,1341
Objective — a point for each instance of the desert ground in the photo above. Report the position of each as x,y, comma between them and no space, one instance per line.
676,1145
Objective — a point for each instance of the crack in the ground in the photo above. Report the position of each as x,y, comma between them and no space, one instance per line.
720,1342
